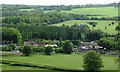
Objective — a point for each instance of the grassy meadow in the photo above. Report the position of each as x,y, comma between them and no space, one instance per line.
25,9
102,11
101,24
73,61
9,67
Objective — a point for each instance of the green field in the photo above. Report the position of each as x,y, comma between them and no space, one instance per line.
26,10
73,61
101,24
103,11
9,67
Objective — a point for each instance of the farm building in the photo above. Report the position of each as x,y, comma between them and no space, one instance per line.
88,46
34,43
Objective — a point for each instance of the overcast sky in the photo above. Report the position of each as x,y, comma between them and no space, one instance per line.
57,2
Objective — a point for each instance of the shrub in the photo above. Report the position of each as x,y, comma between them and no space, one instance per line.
12,46
27,50
92,61
67,48
38,49
107,43
59,50
6,48
48,50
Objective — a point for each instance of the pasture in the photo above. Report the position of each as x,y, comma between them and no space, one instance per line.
25,9
73,61
101,11
101,24
9,67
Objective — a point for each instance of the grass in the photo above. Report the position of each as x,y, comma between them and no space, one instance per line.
63,61
9,67
101,24
25,9
103,11
106,11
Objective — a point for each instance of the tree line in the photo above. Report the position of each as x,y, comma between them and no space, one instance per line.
50,32
42,19
48,18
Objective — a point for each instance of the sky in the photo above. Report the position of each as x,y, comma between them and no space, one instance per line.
57,2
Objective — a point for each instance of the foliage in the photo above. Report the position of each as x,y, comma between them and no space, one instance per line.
67,48
107,43
27,50
38,49
118,27
118,44
95,35
42,19
92,23
60,42
50,32
75,42
92,61
6,48
59,50
12,46
48,50
11,35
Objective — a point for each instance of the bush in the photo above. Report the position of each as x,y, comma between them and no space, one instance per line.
59,50
67,48
12,46
76,42
92,61
48,50
95,35
106,43
27,50
6,48
38,49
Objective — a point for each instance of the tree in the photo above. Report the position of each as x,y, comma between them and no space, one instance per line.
106,43
48,50
92,23
75,25
92,61
27,50
60,42
105,27
11,35
118,44
95,35
113,23
109,24
118,28
67,48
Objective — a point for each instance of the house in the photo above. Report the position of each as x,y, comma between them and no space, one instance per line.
39,44
87,46
51,45
34,43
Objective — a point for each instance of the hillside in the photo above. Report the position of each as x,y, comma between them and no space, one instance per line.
101,11
101,24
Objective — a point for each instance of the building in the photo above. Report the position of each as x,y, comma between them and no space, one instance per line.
87,46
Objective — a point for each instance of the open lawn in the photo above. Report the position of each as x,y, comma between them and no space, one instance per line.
62,61
103,11
101,24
